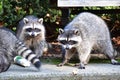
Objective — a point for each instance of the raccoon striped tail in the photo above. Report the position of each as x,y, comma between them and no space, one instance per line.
23,51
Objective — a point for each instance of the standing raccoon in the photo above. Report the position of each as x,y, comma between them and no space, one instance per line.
10,46
32,32
84,33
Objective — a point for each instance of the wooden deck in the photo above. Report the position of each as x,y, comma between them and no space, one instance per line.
82,3
93,71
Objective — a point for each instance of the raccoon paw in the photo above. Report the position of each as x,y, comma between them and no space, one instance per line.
114,62
60,65
4,64
37,64
81,66
4,67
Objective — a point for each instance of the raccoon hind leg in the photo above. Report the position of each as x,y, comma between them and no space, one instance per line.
108,50
4,62
112,58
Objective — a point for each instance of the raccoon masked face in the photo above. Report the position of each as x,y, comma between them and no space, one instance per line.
69,38
33,29
32,32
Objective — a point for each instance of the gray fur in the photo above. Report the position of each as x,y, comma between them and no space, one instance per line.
90,32
10,46
36,43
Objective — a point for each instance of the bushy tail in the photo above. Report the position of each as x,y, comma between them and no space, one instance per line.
23,51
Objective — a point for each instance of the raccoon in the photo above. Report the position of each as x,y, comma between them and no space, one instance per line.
10,46
32,32
85,32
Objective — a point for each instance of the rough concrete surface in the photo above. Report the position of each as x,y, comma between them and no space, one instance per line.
52,72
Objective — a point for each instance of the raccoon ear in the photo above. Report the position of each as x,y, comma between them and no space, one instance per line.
61,30
25,20
76,32
40,20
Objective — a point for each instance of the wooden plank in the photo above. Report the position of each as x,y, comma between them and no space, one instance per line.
81,3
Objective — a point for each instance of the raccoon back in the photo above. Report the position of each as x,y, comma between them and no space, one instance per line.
90,25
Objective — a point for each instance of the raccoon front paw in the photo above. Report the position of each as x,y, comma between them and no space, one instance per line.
4,67
60,65
81,66
4,63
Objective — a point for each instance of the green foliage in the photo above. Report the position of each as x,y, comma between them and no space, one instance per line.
1,10
13,10
54,14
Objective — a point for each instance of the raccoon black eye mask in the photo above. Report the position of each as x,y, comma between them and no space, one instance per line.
71,42
30,30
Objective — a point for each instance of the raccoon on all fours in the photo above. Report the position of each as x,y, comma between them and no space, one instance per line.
85,32
10,46
32,32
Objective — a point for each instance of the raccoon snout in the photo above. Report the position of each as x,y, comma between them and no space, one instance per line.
67,48
32,35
